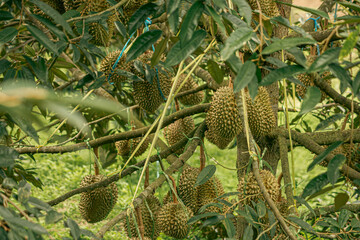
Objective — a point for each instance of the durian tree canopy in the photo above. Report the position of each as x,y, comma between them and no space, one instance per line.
137,83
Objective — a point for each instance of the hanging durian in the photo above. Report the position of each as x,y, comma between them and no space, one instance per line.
208,192
126,147
178,130
268,7
191,99
95,205
187,192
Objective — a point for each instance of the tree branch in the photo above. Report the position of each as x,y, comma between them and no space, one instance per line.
115,137
204,75
353,207
158,182
326,6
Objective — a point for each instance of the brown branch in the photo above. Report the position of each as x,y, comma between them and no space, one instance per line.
158,182
320,36
326,6
115,137
127,171
338,98
191,91
204,75
140,221
353,207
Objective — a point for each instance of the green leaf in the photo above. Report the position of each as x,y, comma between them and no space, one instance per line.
340,200
285,22
281,73
26,126
299,55
58,18
310,10
244,9
234,63
355,83
159,50
349,44
43,39
143,43
352,6
53,217
235,41
333,168
178,53
8,34
74,228
312,97
248,233
52,27
205,175
230,228
304,202
315,185
323,155
4,65
190,22
36,228
330,120
244,76
121,28
217,18
287,43
302,224
7,156
215,71
322,191
5,15
329,56
196,218
340,73
343,217
261,209
39,68
39,204
139,17
213,220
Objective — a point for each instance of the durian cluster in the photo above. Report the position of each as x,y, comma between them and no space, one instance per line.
268,7
308,80
95,205
222,120
178,130
100,35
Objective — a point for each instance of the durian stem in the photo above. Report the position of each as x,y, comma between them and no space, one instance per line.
147,176
177,106
96,167
279,182
202,157
140,222
174,192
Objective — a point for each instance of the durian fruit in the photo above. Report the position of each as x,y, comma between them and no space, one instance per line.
348,152
268,7
208,192
173,218
191,99
126,147
308,81
260,114
108,62
94,206
220,142
187,192
178,130
168,198
58,5
250,190
130,7
149,219
223,118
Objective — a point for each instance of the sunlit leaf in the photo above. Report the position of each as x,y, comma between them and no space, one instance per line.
205,175
244,76
329,56
215,71
236,40
310,10
349,44
190,22
287,43
281,73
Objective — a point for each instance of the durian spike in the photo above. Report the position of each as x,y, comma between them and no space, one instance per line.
96,167
140,222
202,157
174,193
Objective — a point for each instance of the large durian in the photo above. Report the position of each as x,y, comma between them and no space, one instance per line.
173,218
250,190
187,192
308,80
126,147
223,116
149,219
260,114
94,206
178,130
208,192
268,7
191,99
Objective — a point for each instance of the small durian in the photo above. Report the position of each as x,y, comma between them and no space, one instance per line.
94,206
173,218
187,192
220,142
178,130
149,219
250,190
126,147
260,114
191,99
223,118
268,7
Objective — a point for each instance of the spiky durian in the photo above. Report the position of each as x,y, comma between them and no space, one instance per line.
191,99
208,192
149,213
58,5
130,7
250,190
260,114
220,142
187,192
94,206
126,147
223,118
173,218
108,62
268,7
178,130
